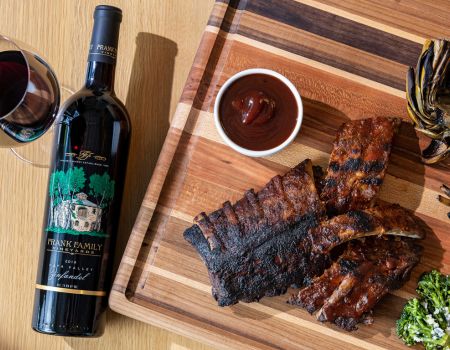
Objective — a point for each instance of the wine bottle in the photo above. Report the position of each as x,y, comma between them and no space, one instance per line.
84,195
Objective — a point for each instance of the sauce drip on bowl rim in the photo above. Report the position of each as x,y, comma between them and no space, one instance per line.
258,112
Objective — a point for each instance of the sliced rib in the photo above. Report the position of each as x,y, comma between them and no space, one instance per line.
367,270
358,164
389,219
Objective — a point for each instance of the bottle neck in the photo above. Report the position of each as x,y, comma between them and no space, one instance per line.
100,76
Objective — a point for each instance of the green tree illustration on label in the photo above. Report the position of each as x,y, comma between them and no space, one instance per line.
71,211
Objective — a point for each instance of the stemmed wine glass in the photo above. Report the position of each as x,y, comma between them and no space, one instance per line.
29,101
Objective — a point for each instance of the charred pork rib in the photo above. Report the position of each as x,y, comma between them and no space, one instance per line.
264,243
389,219
250,247
357,164
367,270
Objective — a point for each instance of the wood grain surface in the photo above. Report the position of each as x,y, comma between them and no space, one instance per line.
158,42
348,59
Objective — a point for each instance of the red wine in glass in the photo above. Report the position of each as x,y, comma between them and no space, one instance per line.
13,80
29,94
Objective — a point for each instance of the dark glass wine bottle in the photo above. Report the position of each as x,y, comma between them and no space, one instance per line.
84,195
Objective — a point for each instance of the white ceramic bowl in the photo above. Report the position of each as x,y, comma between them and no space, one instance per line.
246,151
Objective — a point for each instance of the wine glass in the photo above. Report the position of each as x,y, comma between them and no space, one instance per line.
29,101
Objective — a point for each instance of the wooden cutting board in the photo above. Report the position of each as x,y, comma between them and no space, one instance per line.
348,59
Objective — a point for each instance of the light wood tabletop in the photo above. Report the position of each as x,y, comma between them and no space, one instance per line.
158,41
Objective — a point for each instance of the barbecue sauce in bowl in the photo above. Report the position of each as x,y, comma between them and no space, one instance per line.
258,112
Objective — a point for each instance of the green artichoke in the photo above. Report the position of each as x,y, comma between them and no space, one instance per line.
428,95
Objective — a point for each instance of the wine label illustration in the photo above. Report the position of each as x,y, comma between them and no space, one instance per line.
77,205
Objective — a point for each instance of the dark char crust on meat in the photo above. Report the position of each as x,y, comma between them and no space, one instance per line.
255,247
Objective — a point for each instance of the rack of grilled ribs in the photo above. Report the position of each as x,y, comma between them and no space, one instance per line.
249,248
284,234
366,271
267,242
357,164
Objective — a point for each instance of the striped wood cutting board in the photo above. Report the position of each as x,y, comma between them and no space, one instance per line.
348,59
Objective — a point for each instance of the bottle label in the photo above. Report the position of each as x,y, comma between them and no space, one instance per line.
102,53
80,194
